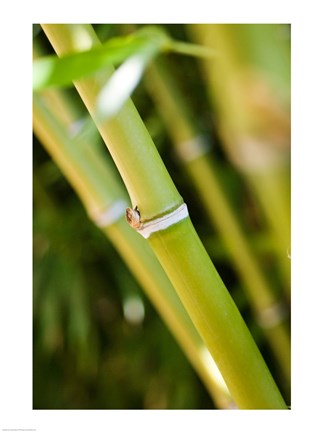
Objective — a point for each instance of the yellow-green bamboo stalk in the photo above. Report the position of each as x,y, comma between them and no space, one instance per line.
254,126
201,167
177,247
101,194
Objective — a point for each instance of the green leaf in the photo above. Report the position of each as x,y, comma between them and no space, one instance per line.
143,45
51,71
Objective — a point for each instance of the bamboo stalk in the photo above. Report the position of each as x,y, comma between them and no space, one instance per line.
99,190
201,168
177,247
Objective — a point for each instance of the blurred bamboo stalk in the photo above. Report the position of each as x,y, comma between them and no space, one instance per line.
200,164
249,86
105,200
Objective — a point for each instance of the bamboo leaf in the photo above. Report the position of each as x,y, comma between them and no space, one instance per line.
52,71
140,48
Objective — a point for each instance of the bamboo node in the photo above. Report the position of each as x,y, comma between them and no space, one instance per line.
146,228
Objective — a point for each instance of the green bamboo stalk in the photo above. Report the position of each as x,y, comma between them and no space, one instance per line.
99,190
201,168
255,130
177,247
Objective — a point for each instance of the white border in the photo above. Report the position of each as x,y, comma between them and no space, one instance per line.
16,215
